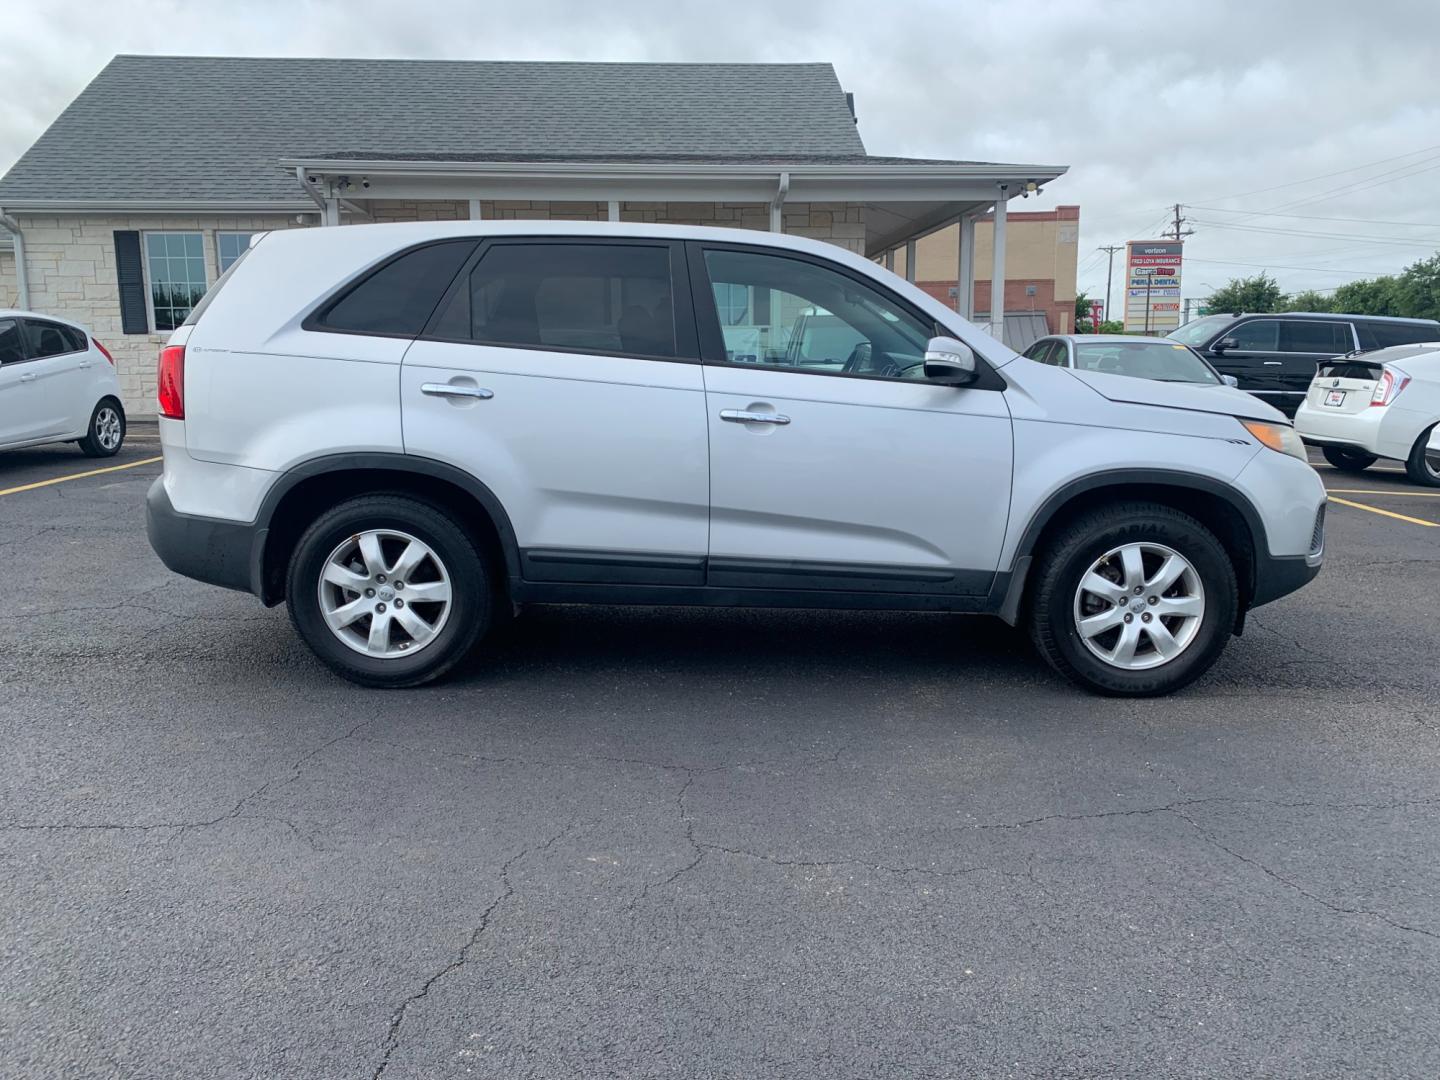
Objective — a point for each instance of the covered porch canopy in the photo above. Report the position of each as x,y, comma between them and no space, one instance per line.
903,199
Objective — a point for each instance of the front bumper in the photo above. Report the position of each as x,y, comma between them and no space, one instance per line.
224,553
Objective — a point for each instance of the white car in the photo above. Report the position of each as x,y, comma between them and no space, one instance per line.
405,430
1382,404
1119,354
57,384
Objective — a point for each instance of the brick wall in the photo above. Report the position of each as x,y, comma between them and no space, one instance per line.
9,290
1059,313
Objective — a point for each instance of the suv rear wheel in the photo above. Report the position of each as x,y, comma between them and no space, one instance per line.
388,591
1133,600
1423,465
1347,458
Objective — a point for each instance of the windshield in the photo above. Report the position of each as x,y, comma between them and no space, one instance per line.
1199,331
1163,361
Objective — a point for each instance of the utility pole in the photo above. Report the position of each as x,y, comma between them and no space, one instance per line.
1110,250
1175,232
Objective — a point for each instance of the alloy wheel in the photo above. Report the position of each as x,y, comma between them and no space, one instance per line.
384,593
1139,606
107,428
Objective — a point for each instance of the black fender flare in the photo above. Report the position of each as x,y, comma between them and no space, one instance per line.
364,461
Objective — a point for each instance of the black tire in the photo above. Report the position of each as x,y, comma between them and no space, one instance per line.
1071,554
1418,467
472,589
101,437
1347,458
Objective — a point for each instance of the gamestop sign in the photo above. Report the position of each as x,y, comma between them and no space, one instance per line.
1152,285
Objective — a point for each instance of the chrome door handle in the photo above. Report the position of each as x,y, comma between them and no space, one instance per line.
29,376
440,389
745,416
1273,363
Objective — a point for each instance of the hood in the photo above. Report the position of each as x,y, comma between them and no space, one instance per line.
1196,397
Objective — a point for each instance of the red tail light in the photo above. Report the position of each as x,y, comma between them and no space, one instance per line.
1392,381
103,351
170,383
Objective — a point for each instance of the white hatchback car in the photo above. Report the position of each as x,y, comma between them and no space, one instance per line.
406,430
57,384
1382,404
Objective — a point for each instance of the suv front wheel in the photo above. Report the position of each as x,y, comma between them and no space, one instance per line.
1133,600
388,591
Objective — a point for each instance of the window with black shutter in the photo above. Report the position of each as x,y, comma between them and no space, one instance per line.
130,277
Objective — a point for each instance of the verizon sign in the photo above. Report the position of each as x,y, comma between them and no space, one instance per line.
1152,285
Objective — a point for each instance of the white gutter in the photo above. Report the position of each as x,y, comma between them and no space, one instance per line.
155,206
311,189
22,277
604,170
778,202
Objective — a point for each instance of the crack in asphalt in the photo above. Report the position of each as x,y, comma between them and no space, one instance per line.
507,890
822,864
291,774
1340,909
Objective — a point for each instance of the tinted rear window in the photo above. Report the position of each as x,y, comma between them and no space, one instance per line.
596,298
1348,369
1378,335
1301,335
398,298
53,339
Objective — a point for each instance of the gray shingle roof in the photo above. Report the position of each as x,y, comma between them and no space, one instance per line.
214,128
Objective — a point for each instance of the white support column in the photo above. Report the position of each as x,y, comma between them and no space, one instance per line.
890,259
332,212
475,212
613,211
997,272
910,261
965,280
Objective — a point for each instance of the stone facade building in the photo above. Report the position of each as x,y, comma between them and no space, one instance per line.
126,210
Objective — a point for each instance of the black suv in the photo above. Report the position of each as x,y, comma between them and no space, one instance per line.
1274,356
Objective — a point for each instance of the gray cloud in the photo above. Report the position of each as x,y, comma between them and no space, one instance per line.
1148,104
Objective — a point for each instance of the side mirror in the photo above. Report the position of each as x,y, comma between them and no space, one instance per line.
1225,343
950,363
1231,380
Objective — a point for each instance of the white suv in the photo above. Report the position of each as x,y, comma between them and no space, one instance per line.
406,431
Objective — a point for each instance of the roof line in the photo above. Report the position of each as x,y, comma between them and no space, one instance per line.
999,170
506,63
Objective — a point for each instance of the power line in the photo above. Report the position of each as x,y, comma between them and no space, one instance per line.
1314,217
1277,266
1322,176
1277,231
1388,177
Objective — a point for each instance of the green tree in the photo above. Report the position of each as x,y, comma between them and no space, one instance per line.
1111,326
1258,293
1371,296
1082,311
1309,300
1417,291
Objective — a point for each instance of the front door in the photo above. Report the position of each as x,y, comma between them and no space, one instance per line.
836,466
564,375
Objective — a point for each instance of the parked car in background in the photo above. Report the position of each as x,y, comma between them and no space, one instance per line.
1119,354
1274,356
57,384
1383,404
405,431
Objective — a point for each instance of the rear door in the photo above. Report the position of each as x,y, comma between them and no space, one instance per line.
1304,344
61,360
1254,358
563,373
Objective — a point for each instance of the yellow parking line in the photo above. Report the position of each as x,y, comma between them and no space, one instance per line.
78,476
1375,491
1357,506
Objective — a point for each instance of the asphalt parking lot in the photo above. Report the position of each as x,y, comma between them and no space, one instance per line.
707,843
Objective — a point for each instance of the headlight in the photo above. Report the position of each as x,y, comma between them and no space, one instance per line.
1279,437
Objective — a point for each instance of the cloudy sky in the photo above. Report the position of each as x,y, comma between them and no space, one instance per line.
1303,136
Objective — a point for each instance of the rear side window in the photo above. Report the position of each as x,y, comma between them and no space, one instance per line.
52,339
12,346
1316,337
1377,335
597,298
398,299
